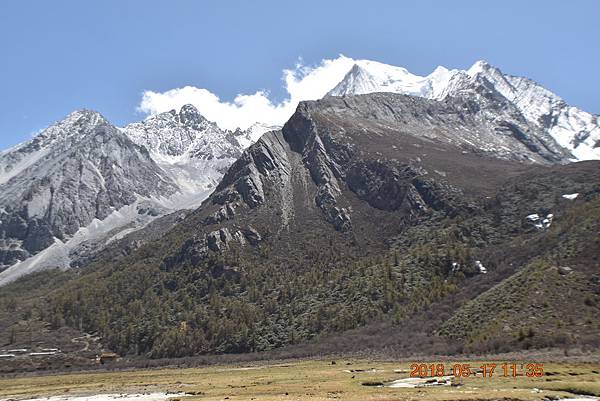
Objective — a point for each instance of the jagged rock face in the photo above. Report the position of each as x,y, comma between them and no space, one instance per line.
382,186
76,171
337,161
245,180
357,169
477,124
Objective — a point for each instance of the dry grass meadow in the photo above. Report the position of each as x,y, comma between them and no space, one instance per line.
308,380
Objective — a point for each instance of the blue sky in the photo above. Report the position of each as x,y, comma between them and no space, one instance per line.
58,56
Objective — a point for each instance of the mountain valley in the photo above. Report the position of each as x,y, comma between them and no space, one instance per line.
456,213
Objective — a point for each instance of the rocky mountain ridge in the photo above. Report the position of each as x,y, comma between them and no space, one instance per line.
359,212
574,130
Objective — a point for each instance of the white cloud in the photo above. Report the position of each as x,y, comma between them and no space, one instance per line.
301,83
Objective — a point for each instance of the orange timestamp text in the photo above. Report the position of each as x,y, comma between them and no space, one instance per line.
485,370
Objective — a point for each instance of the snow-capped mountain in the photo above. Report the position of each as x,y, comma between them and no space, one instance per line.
193,151
15,160
575,130
367,76
76,177
82,182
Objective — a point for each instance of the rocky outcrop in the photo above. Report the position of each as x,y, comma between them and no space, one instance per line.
251,235
324,159
382,186
218,240
196,249
225,212
262,163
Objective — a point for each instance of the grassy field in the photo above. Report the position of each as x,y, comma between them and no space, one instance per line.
309,380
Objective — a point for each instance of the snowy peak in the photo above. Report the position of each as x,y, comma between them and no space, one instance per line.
76,125
189,135
183,135
162,134
479,66
193,151
370,76
357,81
575,131
572,128
72,129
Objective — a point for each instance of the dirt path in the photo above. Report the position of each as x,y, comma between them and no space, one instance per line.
85,339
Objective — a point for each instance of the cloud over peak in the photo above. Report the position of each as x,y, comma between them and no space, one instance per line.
301,83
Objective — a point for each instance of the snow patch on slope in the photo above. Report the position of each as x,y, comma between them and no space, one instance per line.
196,178
119,223
571,196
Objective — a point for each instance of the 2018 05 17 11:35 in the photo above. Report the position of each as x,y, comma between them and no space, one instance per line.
485,370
